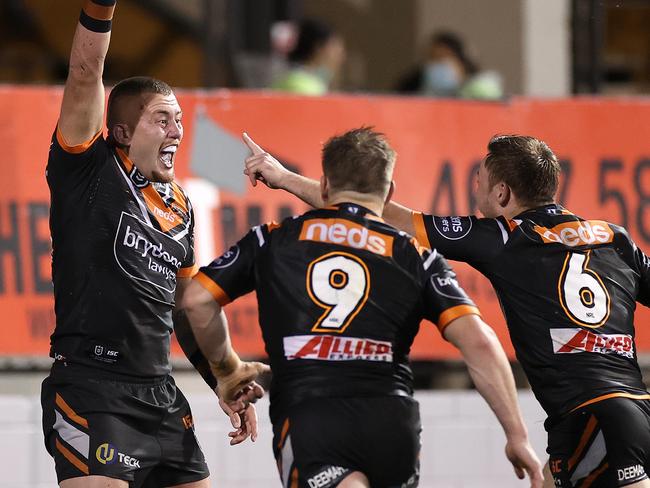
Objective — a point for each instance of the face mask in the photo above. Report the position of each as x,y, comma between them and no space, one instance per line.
440,79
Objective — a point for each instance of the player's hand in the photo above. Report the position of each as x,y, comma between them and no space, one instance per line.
260,165
242,413
231,386
525,461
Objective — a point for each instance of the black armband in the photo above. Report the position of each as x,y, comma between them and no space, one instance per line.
96,15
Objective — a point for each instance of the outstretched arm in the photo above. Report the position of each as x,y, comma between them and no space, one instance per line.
492,376
260,165
204,324
82,109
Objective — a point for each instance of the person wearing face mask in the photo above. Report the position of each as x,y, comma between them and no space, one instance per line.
315,60
449,72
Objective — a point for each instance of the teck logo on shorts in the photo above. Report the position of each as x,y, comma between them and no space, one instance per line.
105,453
331,348
108,454
569,341
148,256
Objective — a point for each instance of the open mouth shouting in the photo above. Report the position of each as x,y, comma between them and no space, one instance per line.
167,156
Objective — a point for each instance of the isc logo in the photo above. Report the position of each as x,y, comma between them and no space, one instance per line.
346,233
577,233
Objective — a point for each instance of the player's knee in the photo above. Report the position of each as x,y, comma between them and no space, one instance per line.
356,479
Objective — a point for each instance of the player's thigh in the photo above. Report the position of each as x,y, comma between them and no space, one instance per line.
355,479
204,483
93,482
641,484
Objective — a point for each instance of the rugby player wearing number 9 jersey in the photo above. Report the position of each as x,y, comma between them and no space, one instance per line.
568,288
341,296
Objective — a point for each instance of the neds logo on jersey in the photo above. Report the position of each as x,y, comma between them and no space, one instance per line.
148,256
346,233
577,233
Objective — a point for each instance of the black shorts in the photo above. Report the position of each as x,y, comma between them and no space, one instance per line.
139,432
606,444
318,442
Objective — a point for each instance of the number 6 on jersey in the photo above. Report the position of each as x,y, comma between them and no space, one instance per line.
338,282
582,294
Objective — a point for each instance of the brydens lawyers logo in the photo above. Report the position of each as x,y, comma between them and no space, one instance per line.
330,348
106,453
148,256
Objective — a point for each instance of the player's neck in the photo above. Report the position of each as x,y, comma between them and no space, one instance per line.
374,204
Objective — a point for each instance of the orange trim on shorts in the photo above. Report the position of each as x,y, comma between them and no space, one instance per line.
451,314
584,438
78,148
98,12
78,463
592,477
420,229
631,396
283,434
72,415
294,478
188,272
215,290
271,226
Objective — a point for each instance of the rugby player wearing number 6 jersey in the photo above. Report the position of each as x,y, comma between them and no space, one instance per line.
122,236
341,296
568,288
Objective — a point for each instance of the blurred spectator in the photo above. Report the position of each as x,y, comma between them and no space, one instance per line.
448,71
315,60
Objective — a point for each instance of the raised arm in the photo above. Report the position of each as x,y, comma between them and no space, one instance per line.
82,109
260,165
492,376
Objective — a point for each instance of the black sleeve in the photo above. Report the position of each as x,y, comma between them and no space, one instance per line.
233,274
444,299
467,239
68,166
643,266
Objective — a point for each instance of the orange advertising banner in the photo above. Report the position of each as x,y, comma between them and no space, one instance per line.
604,146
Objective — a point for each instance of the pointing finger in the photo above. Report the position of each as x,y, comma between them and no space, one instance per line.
252,145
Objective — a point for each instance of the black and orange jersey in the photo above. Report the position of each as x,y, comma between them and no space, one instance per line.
341,295
568,289
119,243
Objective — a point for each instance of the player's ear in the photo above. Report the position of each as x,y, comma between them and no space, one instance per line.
391,190
324,188
121,134
504,195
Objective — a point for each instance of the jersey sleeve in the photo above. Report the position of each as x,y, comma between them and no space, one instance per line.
233,274
189,268
464,238
67,165
643,266
444,299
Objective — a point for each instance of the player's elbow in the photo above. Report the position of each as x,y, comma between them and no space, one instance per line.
85,71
